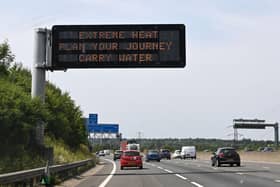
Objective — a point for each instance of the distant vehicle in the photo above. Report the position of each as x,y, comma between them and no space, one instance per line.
188,152
176,154
131,159
101,153
123,145
133,146
260,149
165,153
267,149
117,154
153,155
107,152
225,155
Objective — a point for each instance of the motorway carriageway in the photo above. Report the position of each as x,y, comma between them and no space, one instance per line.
187,173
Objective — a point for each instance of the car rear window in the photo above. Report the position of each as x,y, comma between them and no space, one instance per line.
118,152
226,151
131,153
153,152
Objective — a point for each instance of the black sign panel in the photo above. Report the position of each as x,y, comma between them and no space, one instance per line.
248,126
118,46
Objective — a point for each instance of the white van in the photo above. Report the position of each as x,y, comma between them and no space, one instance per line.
188,152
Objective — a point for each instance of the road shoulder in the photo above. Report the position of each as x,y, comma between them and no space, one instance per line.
76,180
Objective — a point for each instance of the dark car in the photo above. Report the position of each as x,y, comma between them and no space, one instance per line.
165,153
225,155
153,155
117,154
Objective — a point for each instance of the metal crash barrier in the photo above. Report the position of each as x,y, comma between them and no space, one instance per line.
33,177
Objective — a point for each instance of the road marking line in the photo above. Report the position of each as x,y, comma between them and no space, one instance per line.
214,168
266,167
159,167
105,182
278,181
180,176
238,173
168,171
196,184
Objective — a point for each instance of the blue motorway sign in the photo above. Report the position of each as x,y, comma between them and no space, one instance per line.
104,128
93,118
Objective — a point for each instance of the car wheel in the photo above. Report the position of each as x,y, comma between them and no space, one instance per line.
121,167
212,164
231,165
238,164
147,160
141,167
158,160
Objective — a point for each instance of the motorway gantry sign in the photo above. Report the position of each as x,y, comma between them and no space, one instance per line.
118,46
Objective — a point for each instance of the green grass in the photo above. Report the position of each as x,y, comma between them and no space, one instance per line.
17,158
64,154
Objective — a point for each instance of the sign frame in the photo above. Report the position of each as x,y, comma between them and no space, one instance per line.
181,63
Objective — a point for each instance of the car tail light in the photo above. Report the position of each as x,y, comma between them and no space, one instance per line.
221,155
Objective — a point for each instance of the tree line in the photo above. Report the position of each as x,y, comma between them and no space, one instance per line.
19,113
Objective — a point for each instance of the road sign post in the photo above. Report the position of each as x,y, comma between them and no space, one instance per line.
38,77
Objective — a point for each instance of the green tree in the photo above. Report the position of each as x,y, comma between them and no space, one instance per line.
6,57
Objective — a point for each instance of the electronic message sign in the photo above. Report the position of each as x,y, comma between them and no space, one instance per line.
118,46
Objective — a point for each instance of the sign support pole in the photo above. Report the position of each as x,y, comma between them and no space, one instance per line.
39,77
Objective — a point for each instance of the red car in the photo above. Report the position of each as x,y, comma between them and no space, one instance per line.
131,159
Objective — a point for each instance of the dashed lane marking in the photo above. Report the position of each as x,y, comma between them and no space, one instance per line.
196,184
168,171
159,167
180,176
238,173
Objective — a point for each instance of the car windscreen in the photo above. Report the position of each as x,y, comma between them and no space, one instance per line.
118,152
131,153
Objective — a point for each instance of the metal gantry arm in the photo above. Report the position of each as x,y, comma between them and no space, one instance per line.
255,124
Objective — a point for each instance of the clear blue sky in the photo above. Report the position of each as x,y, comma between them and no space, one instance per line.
232,64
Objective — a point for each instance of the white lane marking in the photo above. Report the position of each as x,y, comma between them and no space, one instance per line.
180,176
196,184
105,182
159,167
266,167
168,171
214,168
238,173
278,181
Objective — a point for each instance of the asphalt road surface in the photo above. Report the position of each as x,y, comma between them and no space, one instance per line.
187,173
